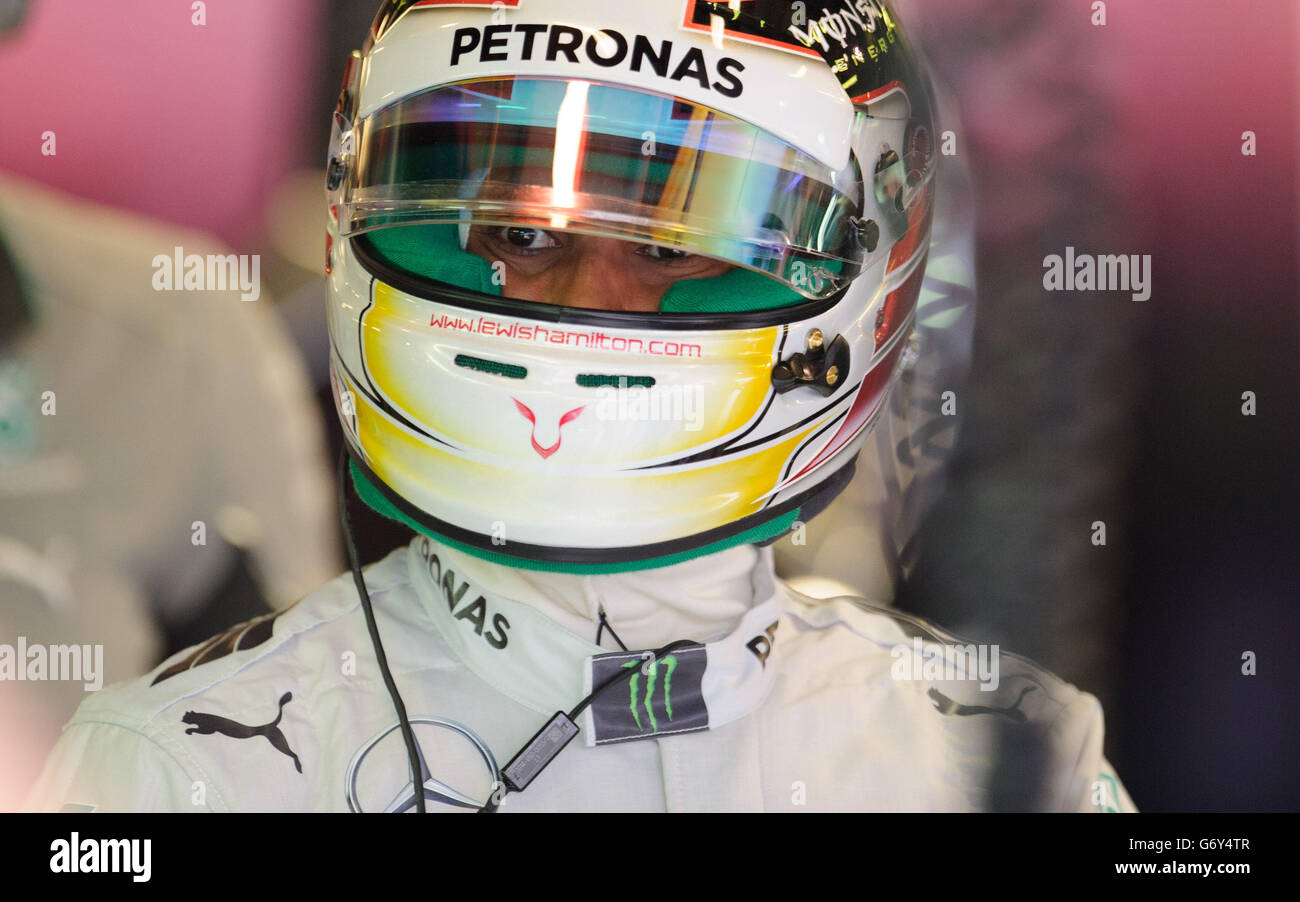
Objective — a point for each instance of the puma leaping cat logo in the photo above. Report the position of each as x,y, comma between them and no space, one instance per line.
205,724
945,705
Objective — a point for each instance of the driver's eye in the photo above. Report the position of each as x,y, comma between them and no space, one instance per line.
656,252
527,239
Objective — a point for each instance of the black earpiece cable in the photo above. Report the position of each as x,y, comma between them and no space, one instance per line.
556,737
625,674
558,732
604,625
354,562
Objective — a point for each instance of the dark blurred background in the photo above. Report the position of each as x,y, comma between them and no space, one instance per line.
1079,407
1127,138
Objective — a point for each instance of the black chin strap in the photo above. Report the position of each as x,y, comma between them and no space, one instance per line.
354,562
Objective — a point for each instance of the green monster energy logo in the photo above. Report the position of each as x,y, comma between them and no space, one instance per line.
670,664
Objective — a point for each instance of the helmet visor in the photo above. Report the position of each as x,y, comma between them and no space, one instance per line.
607,161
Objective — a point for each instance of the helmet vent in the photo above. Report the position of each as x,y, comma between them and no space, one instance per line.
591,380
509,370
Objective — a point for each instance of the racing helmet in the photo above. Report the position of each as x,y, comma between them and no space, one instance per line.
791,142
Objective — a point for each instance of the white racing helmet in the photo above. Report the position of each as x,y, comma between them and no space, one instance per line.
792,142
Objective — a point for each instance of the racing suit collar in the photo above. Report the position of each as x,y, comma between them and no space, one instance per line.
699,599
531,634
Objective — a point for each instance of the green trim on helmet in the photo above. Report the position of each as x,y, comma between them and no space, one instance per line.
509,370
595,380
379,503
736,291
434,252
431,252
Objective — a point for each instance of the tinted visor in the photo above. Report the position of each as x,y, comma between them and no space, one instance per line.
612,162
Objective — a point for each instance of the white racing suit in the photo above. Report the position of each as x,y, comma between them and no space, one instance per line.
786,703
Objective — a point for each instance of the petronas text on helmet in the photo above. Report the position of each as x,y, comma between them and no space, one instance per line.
607,48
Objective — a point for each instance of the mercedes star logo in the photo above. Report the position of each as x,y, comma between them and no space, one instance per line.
435,790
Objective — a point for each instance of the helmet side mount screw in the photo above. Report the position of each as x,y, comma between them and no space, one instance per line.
867,234
334,174
819,368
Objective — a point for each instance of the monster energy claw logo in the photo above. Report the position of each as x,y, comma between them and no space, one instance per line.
663,696
670,664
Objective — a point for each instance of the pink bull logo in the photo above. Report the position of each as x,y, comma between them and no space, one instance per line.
531,417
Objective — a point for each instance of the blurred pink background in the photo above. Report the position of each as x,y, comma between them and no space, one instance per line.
190,124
